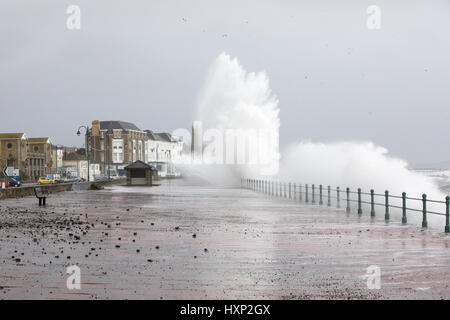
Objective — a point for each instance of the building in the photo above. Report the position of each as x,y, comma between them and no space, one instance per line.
13,151
139,174
58,152
30,157
74,164
163,150
115,144
39,157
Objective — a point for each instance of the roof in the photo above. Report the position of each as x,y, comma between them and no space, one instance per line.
12,135
140,165
38,140
163,136
78,155
116,124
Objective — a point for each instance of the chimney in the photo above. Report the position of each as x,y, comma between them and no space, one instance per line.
96,127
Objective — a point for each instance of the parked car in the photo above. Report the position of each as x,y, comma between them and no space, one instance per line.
14,183
73,179
45,180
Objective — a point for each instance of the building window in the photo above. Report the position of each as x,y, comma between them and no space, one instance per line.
36,149
140,150
117,150
145,151
134,151
9,145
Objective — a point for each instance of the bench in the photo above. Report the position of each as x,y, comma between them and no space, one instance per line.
42,194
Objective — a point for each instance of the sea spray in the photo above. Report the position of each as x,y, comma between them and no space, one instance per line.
361,165
233,98
240,120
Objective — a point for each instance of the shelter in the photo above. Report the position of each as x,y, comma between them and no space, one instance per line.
139,174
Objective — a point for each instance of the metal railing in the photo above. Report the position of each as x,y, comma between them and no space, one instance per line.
308,194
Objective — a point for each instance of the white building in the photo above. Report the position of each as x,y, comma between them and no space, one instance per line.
162,150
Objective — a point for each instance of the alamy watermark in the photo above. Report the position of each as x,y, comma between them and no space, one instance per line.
73,21
257,147
374,20
74,279
373,275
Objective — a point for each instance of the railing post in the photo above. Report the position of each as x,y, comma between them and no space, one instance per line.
338,200
290,194
300,192
329,196
284,184
386,201
359,201
348,200
320,197
306,193
404,220
447,214
313,196
372,203
295,191
424,211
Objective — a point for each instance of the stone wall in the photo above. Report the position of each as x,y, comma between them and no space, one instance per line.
29,191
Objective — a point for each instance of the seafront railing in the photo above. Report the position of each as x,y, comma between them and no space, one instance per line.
311,194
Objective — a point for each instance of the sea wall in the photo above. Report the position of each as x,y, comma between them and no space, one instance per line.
26,191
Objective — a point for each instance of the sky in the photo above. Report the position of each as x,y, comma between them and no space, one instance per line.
146,62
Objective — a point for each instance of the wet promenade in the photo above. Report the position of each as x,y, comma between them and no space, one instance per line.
185,241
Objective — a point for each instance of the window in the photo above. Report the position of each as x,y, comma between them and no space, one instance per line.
117,145
140,150
145,151
9,145
36,149
134,151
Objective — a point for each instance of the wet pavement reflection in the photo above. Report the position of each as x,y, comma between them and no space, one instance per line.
187,241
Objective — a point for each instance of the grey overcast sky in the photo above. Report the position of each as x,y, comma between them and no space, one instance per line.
145,62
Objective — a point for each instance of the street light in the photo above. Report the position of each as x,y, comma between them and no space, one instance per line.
88,134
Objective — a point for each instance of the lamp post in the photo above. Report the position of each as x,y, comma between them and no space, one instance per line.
88,135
